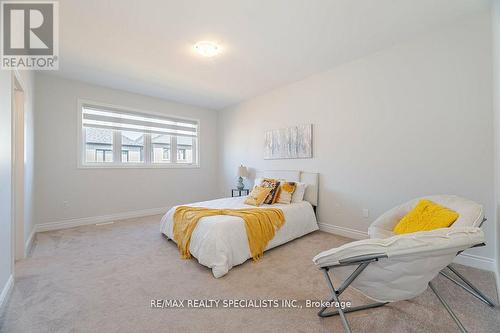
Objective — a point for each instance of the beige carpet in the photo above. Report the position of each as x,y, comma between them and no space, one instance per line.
102,279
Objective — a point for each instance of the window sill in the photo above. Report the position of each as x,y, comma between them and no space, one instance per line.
139,166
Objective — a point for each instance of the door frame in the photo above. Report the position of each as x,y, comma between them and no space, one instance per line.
18,154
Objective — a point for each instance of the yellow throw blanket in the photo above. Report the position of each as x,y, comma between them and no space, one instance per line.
260,224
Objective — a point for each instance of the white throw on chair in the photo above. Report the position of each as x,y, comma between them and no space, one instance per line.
388,267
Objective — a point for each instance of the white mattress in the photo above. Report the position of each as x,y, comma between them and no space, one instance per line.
220,242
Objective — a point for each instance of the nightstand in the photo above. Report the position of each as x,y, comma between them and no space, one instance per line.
238,193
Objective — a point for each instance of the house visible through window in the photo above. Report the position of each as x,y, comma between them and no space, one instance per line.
161,145
185,150
115,137
132,147
98,145
104,155
166,154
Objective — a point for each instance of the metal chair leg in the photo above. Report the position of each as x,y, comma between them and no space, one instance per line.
450,311
469,287
353,309
347,328
335,296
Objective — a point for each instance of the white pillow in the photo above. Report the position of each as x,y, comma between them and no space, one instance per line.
257,181
298,194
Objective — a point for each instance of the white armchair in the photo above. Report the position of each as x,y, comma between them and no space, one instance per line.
400,267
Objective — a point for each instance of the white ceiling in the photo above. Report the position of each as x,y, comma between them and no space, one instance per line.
146,46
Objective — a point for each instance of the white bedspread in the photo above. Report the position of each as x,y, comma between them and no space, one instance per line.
220,242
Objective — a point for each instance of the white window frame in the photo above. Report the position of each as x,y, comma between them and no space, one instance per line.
117,157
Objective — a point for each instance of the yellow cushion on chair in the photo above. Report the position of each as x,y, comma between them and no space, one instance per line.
426,215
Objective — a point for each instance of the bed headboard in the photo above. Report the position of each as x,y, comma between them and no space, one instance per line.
310,178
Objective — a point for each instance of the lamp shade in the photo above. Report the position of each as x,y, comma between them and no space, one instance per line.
242,171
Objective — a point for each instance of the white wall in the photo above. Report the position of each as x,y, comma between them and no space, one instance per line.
28,81
496,100
408,121
5,179
97,192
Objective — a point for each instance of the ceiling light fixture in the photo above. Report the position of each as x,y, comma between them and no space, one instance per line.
207,48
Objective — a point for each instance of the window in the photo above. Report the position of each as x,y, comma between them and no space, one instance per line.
116,137
132,147
161,148
185,150
98,145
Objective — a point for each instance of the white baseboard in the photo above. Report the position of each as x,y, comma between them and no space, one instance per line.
466,259
29,242
476,261
71,223
343,231
6,291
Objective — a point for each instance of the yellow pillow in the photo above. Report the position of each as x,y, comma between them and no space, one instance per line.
426,216
285,192
258,195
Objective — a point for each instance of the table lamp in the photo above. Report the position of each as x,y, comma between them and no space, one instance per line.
242,173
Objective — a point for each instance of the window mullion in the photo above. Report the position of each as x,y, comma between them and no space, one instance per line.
194,151
147,148
173,149
83,145
117,147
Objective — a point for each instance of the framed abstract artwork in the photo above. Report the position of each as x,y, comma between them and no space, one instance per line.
290,142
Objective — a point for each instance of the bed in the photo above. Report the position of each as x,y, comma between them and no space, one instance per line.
220,242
